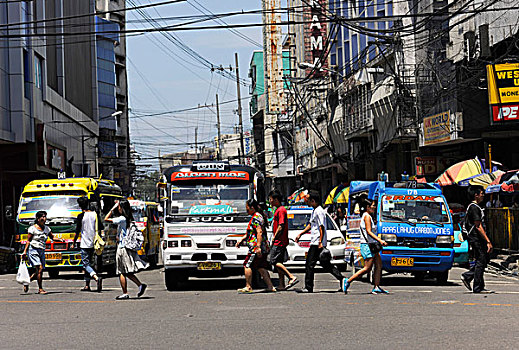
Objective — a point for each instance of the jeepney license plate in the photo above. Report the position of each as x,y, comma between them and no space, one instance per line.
53,256
209,265
402,261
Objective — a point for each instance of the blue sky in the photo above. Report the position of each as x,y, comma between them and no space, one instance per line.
159,83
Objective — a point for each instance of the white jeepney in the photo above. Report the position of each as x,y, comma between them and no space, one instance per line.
205,217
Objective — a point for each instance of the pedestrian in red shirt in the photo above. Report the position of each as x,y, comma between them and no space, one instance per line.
278,252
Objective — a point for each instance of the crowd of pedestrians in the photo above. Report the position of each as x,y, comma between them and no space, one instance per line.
89,227
263,255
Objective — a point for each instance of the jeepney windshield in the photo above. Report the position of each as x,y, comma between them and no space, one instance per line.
209,199
55,206
420,209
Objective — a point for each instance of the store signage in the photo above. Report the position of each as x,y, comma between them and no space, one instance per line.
503,91
426,165
196,175
316,33
437,128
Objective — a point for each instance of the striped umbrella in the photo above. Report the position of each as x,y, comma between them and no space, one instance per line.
459,172
486,179
338,195
298,197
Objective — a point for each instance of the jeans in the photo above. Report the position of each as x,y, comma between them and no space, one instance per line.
311,260
87,255
476,272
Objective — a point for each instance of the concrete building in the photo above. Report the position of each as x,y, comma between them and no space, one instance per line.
230,148
272,132
48,95
115,160
186,157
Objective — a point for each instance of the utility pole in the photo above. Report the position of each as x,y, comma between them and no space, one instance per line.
218,126
196,142
239,108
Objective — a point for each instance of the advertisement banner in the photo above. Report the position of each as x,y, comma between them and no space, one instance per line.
426,166
503,91
437,128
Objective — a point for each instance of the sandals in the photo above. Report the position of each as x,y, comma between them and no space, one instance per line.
292,283
273,290
244,291
25,288
85,289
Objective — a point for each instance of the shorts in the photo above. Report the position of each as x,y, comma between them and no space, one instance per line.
278,254
365,251
36,256
253,261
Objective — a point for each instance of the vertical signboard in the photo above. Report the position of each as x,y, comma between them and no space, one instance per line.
315,34
503,92
273,56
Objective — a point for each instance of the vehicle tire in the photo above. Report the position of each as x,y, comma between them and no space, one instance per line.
53,273
442,277
171,280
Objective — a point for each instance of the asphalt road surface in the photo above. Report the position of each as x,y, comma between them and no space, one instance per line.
209,314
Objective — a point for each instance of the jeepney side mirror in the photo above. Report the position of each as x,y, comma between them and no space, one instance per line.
9,214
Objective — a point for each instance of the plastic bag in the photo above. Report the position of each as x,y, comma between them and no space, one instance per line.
23,276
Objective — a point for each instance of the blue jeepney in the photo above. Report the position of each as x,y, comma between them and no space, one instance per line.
413,218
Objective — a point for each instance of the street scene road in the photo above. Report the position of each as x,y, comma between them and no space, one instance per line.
209,314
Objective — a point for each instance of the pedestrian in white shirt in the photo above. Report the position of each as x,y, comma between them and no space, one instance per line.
36,239
318,242
87,223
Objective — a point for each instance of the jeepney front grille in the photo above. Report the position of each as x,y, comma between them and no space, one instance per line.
208,245
416,242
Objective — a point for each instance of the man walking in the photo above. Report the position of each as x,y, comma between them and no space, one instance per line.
86,224
478,240
278,251
318,242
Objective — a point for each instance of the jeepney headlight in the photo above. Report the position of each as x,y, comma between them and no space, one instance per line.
185,243
164,244
172,244
230,242
444,239
337,241
389,238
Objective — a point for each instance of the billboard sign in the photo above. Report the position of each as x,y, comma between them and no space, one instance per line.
503,91
437,128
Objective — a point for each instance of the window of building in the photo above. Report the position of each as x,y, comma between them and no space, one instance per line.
38,81
26,74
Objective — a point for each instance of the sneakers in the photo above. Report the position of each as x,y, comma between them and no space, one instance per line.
99,284
303,290
345,285
379,290
142,289
485,291
466,283
122,297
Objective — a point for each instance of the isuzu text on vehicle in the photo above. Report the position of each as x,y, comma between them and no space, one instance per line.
205,217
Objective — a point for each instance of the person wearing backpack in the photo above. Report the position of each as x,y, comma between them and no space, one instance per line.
474,228
127,259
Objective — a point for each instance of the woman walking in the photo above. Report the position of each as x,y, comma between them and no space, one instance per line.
126,260
371,255
257,242
36,238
